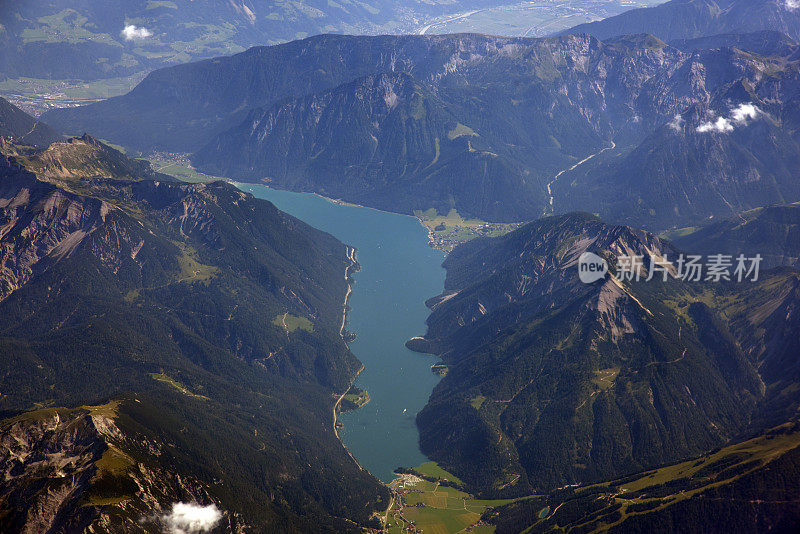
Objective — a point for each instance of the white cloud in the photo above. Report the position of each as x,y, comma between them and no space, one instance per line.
721,125
792,4
188,518
745,112
739,116
132,32
677,123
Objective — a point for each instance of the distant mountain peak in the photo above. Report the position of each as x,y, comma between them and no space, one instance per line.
690,19
84,158
23,129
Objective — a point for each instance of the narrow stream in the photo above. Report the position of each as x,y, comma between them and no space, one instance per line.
399,271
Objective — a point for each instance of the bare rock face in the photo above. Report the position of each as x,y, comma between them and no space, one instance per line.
40,223
75,470
47,463
536,266
44,217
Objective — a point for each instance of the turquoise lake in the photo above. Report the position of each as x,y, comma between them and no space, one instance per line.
399,272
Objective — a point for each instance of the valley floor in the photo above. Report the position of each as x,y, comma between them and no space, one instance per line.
427,500
426,505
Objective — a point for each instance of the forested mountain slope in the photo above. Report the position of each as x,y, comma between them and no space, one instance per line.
631,128
551,381
745,486
773,232
165,299
22,128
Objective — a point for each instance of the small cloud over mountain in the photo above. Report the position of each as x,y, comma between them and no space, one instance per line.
739,116
131,32
677,123
189,518
721,125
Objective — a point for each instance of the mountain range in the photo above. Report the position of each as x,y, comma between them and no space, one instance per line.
108,40
689,19
552,382
171,346
502,129
167,343
773,232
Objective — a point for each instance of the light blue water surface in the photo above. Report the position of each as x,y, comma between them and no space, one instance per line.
399,272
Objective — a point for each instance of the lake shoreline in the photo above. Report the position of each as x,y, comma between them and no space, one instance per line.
349,271
336,418
340,202
385,306
351,268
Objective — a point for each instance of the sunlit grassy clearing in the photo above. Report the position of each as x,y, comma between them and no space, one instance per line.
291,323
161,377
